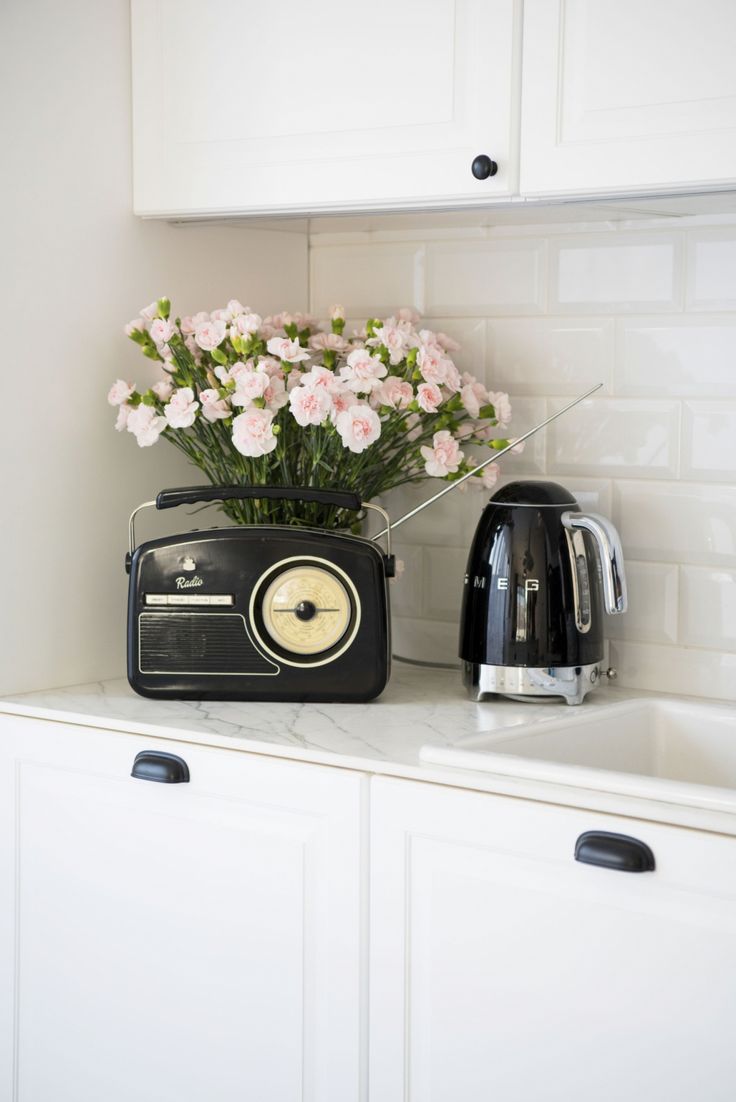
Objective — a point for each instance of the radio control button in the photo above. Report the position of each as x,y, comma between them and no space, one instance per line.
222,599
157,599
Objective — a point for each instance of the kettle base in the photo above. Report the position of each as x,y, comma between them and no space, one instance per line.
572,683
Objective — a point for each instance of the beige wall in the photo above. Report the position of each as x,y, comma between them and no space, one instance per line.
76,265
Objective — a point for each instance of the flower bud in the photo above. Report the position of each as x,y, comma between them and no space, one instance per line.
164,308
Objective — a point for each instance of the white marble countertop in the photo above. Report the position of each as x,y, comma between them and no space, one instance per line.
419,706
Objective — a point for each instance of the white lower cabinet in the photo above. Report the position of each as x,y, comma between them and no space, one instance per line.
175,942
503,969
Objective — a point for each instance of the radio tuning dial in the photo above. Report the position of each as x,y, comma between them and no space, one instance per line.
306,610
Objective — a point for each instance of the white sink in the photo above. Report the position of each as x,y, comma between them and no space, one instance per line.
667,749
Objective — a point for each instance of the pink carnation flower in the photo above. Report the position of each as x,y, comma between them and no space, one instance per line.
502,406
209,334
275,395
253,433
359,426
286,349
394,392
310,405
146,425
163,390
119,392
444,457
246,324
363,372
248,386
214,408
161,330
182,408
429,397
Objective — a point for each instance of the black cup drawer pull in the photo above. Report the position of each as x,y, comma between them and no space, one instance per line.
153,765
614,851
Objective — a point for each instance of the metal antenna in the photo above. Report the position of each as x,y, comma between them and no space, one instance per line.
486,463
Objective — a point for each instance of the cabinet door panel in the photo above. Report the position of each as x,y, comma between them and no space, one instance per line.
627,96
501,968
262,108
180,942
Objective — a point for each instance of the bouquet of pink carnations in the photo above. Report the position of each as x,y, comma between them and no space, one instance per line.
284,401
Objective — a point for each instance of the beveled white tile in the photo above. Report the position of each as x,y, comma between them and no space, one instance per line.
686,522
525,414
675,669
470,334
709,441
711,269
425,640
653,600
679,356
550,355
407,588
615,273
368,280
476,278
616,436
444,577
450,522
708,608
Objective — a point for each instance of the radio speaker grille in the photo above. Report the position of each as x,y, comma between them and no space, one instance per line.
197,642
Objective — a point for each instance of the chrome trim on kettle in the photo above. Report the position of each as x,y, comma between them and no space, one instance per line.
570,682
611,556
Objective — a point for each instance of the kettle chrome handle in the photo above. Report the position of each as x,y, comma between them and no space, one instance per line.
611,556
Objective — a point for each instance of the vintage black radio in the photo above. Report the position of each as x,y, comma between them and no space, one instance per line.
259,612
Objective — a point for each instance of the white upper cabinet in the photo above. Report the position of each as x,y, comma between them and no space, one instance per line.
628,97
294,107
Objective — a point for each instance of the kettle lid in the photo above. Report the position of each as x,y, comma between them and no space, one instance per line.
534,493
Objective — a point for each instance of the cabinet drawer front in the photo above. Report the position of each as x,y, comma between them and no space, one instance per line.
502,967
163,930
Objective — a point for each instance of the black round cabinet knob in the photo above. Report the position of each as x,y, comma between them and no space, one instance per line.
483,167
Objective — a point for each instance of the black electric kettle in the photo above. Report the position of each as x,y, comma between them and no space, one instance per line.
540,575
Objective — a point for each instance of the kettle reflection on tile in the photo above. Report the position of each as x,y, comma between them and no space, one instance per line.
540,575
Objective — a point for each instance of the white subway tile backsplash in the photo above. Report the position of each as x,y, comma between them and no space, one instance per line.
543,312
477,278
368,280
445,573
708,608
653,600
407,588
684,522
709,441
550,355
617,437
525,414
616,273
425,640
470,334
675,669
679,356
711,269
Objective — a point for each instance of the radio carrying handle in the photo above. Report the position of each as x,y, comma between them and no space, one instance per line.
192,495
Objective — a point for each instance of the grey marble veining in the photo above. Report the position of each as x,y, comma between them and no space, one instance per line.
418,706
